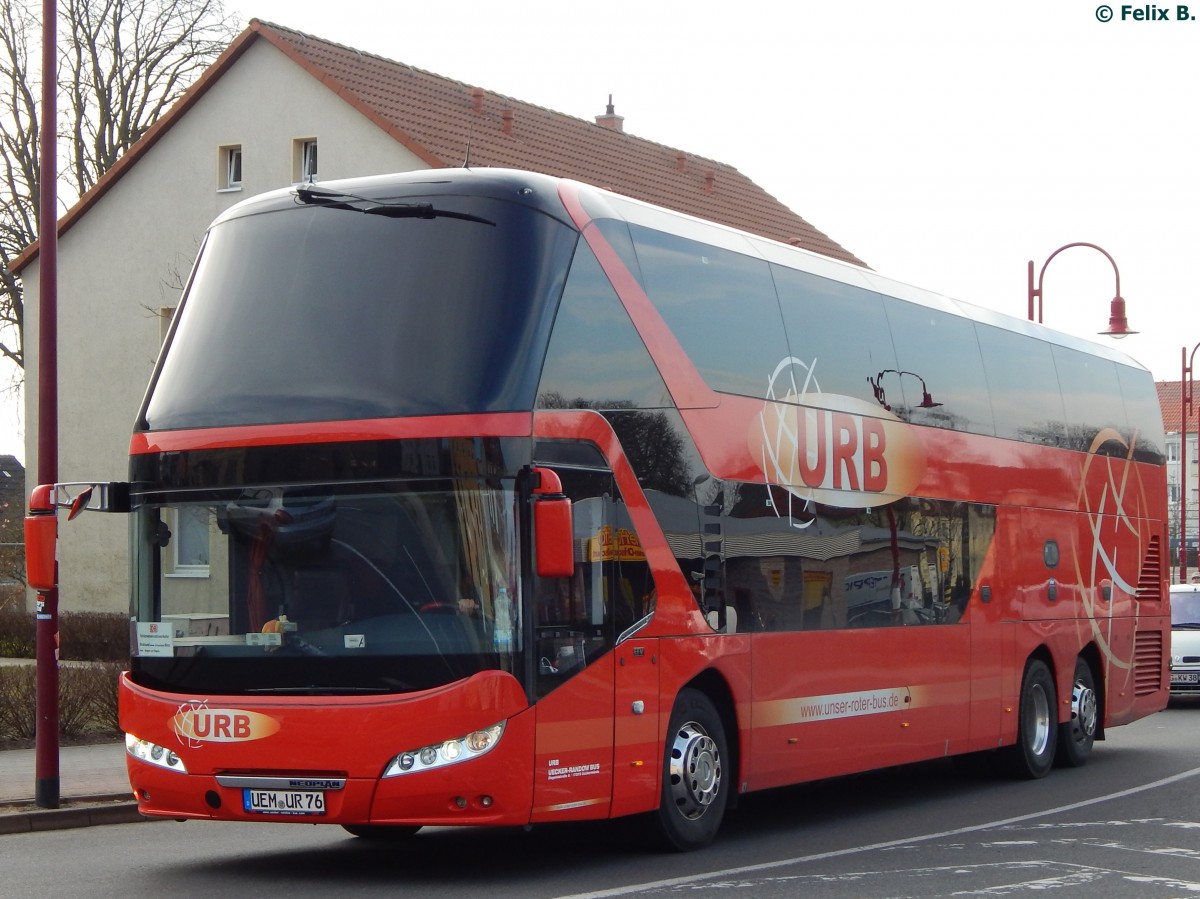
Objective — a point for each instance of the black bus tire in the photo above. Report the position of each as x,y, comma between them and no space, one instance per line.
695,776
1032,756
1076,735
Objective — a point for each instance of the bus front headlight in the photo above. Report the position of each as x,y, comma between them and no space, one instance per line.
448,752
154,754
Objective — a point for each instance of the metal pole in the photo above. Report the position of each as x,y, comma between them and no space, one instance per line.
1034,292
1183,470
1186,385
46,784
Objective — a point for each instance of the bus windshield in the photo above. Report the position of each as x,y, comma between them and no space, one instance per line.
389,588
401,316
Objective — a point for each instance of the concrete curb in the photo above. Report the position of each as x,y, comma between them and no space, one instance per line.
36,820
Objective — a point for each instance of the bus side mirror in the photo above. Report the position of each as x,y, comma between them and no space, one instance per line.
80,503
41,523
41,539
553,527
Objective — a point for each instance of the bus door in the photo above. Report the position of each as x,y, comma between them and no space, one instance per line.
993,632
638,752
577,621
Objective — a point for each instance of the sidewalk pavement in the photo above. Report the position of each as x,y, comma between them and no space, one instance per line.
93,789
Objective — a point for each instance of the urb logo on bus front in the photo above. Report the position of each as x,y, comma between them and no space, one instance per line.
196,724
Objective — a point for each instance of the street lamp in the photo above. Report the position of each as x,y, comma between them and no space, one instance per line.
927,401
1186,390
1118,324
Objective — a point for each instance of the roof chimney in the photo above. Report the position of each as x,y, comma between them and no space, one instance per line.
610,119
506,121
710,178
477,99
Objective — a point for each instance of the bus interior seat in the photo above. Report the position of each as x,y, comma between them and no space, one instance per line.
730,620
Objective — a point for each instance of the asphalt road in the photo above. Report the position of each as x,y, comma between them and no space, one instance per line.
1126,825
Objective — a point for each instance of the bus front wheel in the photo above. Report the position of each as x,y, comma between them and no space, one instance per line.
695,782
1037,727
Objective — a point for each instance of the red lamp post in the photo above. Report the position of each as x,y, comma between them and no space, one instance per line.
1118,324
1186,390
46,769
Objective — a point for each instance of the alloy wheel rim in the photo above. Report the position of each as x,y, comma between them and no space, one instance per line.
695,770
1039,715
1084,710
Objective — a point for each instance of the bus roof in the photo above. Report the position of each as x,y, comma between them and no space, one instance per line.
542,193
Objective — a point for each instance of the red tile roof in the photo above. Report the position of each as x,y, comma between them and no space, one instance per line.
438,118
1170,400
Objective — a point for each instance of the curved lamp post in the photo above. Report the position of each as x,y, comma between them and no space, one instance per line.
1186,391
1118,324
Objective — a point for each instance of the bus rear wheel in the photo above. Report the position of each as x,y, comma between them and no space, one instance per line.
1075,736
1037,728
381,832
695,783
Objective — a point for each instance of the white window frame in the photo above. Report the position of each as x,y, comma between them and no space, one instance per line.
230,173
186,569
305,159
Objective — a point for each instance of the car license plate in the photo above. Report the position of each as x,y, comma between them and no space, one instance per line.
284,802
1185,677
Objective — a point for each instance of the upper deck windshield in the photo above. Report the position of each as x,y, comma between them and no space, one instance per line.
317,312
388,588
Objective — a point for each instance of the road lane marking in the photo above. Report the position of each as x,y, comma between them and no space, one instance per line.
889,844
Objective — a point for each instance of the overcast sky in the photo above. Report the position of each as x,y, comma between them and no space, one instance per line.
947,144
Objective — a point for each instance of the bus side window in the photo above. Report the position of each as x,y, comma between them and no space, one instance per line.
579,618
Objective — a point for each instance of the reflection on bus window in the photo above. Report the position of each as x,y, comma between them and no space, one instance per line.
581,617
419,576
911,563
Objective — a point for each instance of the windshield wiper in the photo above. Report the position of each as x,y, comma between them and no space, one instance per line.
311,196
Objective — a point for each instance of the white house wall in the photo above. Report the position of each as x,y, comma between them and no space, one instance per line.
127,258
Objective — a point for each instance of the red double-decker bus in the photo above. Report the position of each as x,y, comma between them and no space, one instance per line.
485,498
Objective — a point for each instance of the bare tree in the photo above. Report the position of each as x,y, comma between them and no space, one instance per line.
121,65
19,152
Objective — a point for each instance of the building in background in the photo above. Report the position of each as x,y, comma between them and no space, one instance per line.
1183,474
281,107
12,534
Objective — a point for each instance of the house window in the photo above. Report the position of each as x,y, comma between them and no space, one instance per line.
304,159
1172,451
230,176
166,315
190,529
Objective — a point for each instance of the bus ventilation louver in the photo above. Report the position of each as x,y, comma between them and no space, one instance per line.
1149,585
1147,662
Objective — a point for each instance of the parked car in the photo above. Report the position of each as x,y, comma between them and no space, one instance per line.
1185,639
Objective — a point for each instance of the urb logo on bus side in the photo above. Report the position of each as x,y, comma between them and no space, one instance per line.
831,448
